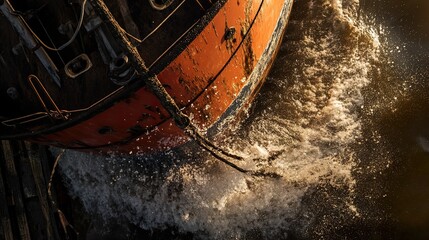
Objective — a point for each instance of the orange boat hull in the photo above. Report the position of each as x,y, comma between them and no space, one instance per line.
215,77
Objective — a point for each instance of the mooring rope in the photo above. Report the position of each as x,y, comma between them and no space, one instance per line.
217,152
153,83
63,220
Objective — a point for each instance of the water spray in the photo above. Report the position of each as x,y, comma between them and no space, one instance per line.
153,83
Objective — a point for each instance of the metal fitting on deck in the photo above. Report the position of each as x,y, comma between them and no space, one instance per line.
78,66
121,70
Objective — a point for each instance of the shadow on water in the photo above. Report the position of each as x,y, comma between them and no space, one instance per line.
344,109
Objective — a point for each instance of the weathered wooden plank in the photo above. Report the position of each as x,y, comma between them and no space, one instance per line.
25,173
6,227
38,223
37,156
13,183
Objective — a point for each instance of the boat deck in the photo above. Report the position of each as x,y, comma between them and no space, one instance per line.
85,66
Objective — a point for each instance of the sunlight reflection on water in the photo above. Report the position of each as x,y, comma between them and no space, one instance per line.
325,113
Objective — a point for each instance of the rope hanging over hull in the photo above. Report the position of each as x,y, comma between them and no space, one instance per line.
151,80
165,86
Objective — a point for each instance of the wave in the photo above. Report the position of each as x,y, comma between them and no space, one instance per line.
304,125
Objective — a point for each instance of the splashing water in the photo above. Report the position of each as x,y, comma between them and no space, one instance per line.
305,126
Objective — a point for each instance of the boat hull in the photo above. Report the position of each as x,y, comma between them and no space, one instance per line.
213,77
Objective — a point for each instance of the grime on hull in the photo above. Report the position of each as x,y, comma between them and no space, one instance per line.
118,75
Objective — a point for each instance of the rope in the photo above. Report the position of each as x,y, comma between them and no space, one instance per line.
63,220
223,155
149,79
39,115
201,6
157,27
58,111
79,26
192,131
153,83
54,204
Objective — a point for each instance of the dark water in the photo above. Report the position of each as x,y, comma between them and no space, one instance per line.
343,117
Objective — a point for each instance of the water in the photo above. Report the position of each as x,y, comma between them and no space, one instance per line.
342,117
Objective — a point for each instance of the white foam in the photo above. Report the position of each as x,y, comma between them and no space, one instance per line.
310,125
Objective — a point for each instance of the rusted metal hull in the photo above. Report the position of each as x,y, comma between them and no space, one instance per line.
211,77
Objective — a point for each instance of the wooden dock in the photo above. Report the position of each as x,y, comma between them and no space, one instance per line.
26,210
